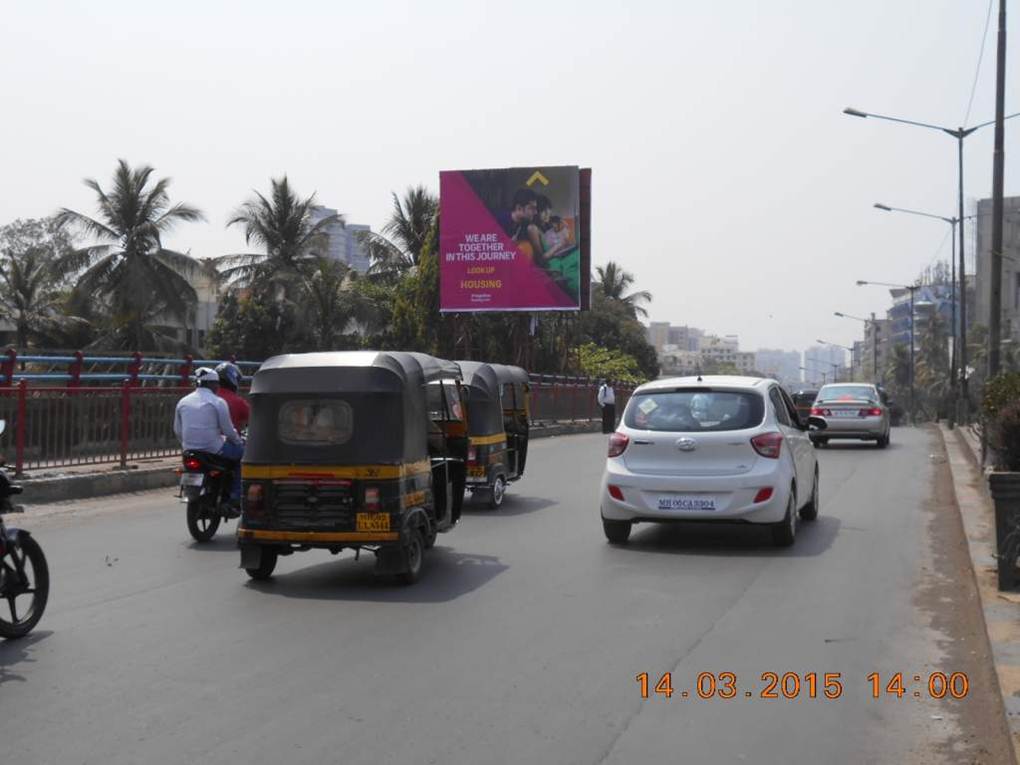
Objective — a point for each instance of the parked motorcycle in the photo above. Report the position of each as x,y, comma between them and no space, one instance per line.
205,487
24,575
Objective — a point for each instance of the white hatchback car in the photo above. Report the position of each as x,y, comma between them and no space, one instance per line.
713,448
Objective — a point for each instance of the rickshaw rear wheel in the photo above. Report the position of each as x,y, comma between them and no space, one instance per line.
414,555
267,564
497,492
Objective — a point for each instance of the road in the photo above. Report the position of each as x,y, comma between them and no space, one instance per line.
521,644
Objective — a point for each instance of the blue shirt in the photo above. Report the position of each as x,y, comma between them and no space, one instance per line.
202,422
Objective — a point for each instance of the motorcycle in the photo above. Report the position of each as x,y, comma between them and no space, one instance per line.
205,488
24,574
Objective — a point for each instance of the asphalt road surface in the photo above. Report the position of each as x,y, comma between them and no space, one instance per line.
523,641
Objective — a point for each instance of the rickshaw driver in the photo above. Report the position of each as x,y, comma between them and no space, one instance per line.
202,423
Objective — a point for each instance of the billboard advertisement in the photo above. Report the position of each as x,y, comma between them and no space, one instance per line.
511,240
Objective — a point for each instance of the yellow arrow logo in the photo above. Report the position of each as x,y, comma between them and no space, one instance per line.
537,176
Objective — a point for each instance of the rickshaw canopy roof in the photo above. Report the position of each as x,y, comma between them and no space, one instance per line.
485,409
349,371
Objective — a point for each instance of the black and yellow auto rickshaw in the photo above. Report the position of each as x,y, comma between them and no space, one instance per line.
498,426
352,450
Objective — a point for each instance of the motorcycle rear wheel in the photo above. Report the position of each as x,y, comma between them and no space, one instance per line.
16,581
202,523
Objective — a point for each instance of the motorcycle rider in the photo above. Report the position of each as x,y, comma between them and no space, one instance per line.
230,380
202,423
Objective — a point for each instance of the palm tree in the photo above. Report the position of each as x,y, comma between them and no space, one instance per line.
285,227
614,282
330,303
398,248
138,281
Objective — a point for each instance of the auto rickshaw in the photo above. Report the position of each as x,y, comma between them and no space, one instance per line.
352,450
498,427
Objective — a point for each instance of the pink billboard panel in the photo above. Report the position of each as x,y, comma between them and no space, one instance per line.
509,240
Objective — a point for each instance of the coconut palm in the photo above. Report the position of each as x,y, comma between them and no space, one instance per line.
285,227
330,303
614,283
138,282
399,246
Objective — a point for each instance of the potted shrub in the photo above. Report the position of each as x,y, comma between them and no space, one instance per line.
1001,425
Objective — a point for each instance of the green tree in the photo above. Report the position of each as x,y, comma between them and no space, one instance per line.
137,281
603,363
283,226
250,328
611,324
398,248
33,296
614,283
331,304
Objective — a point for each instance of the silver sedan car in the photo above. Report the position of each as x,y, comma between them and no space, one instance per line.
850,410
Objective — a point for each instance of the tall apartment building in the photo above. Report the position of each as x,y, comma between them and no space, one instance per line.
662,333
824,363
781,365
980,308
342,240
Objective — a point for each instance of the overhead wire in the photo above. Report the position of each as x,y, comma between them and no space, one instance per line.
981,55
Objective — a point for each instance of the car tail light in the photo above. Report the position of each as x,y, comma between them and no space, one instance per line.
763,495
193,464
372,499
817,411
615,493
472,454
768,444
255,500
618,444
873,412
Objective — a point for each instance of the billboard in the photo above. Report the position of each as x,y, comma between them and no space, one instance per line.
513,240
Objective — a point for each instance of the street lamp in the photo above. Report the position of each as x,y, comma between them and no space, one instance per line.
912,289
815,371
853,357
874,340
959,134
952,353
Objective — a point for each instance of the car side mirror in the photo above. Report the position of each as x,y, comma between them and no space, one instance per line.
816,423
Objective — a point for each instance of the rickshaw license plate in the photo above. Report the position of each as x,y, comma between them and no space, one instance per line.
373,522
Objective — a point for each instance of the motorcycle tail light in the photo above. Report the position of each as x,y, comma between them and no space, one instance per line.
192,464
372,503
472,454
255,500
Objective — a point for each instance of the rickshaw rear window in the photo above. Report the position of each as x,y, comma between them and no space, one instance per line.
316,422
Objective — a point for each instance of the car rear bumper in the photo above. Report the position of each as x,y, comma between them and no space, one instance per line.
733,495
855,427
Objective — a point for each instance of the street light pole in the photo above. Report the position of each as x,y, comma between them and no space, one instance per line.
959,134
912,288
995,304
952,353
873,322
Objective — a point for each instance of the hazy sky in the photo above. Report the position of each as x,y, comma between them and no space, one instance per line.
724,175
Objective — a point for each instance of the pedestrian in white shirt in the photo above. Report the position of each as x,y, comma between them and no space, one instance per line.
202,423
607,402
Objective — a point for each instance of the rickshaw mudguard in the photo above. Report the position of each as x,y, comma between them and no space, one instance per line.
390,558
251,556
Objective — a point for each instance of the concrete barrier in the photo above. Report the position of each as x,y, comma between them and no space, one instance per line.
45,490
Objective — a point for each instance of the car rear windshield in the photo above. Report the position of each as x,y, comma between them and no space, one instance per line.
832,393
697,410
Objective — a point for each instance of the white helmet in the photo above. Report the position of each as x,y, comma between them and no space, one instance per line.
206,375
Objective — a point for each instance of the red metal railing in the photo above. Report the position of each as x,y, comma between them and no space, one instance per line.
53,426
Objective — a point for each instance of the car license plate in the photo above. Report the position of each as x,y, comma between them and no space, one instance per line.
679,502
373,522
191,479
844,412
